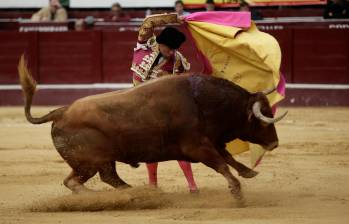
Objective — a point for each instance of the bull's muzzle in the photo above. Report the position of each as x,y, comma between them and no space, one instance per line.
271,146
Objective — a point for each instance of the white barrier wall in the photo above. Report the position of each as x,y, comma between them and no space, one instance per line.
89,3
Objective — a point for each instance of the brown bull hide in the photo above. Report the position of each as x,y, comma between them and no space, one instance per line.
186,117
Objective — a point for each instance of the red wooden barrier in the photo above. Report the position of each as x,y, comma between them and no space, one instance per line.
12,46
321,56
70,57
312,53
117,55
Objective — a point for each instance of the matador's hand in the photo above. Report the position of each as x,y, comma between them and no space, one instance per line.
180,19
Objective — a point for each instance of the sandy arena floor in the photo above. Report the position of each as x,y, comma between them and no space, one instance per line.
305,180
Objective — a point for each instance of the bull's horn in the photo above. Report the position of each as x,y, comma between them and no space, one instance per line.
256,108
267,92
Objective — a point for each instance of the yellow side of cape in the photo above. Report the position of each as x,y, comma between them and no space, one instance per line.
248,57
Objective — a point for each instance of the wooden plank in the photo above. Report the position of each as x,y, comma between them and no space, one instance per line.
117,55
321,56
69,57
13,45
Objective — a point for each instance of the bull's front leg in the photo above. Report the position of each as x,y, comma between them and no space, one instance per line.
76,179
243,170
234,184
211,158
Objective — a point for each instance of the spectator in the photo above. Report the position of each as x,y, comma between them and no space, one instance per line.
210,5
255,15
244,7
336,9
118,15
148,12
79,25
84,24
179,8
54,12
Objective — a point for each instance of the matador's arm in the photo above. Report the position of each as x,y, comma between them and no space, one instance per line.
147,28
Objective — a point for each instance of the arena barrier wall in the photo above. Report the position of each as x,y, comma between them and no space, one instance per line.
313,53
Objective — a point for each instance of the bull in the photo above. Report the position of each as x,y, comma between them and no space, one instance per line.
185,117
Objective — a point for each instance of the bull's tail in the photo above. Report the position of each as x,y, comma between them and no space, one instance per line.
29,86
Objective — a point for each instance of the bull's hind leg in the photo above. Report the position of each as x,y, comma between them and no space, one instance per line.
211,158
108,174
76,179
243,170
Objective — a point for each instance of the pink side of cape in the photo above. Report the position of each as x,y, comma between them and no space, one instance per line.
235,19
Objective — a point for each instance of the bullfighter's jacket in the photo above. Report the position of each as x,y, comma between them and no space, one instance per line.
147,62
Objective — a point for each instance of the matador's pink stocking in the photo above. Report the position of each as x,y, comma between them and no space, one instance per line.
186,168
188,173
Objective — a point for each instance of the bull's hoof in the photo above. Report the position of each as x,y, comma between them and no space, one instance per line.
248,173
134,165
240,200
123,186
